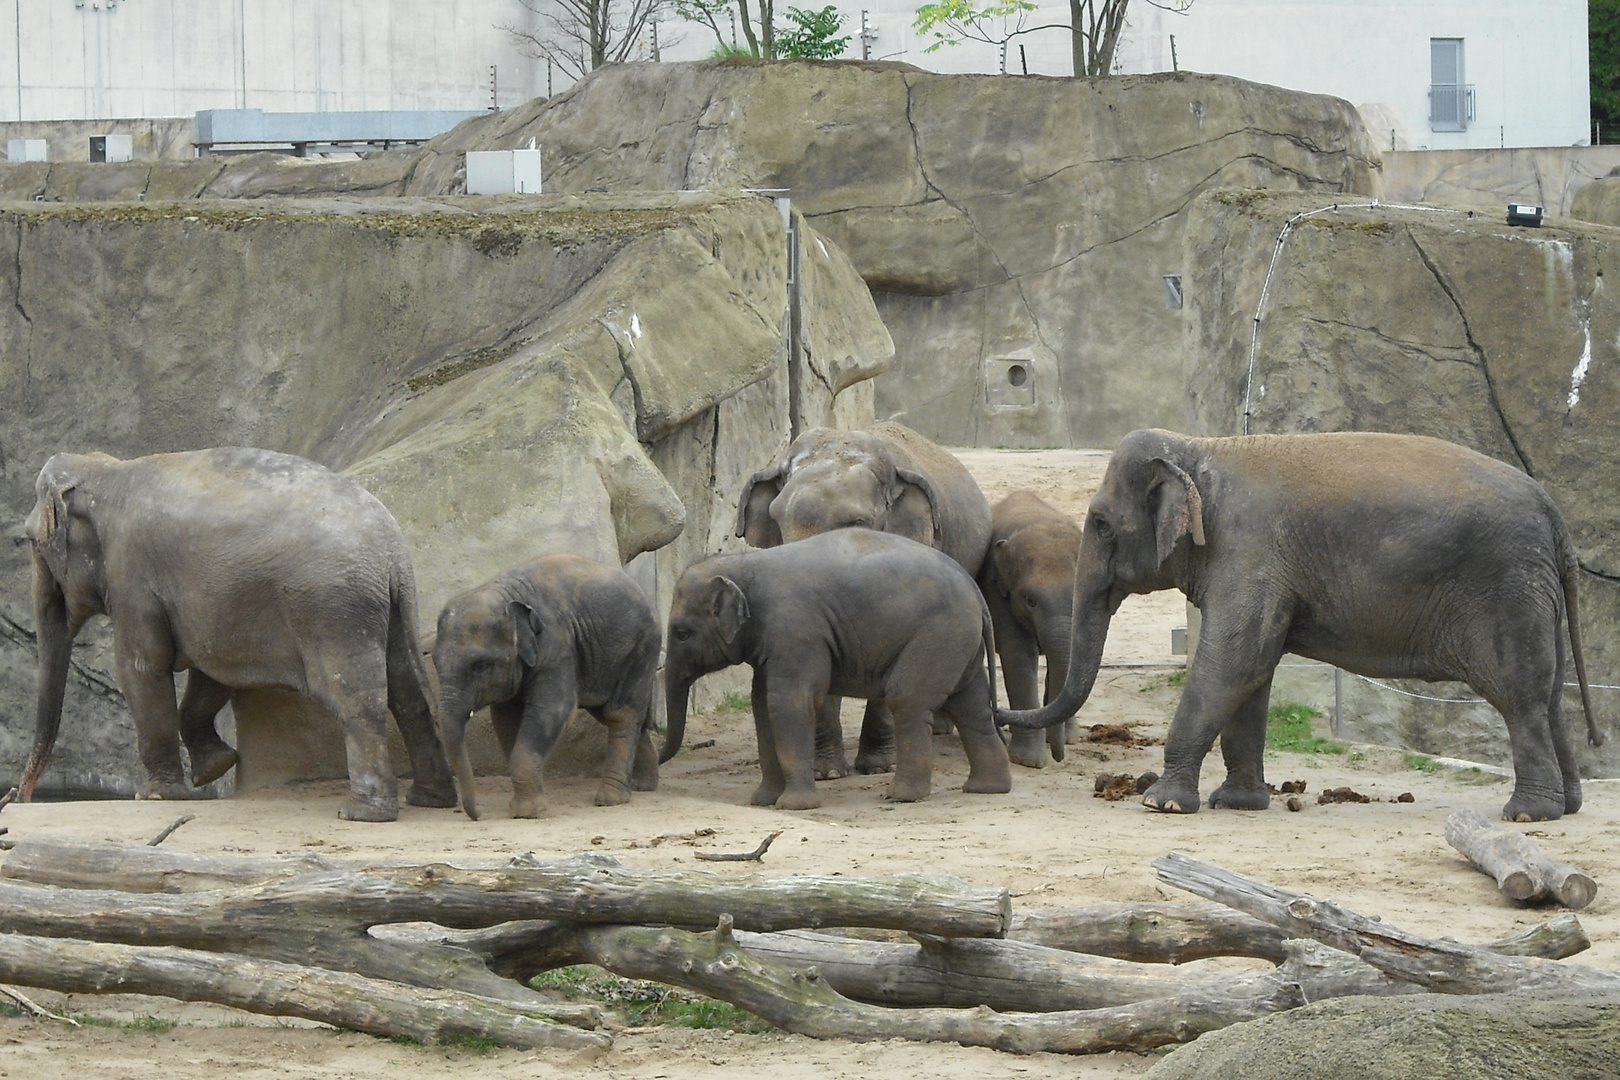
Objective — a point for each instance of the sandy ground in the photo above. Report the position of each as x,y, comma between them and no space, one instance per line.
1049,841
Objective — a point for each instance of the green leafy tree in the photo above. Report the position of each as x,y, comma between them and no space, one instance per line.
1603,61
1094,25
814,35
758,24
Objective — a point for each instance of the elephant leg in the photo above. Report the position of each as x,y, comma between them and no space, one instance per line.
913,750
149,690
1563,743
623,723
506,717
644,768
1243,746
989,768
373,791
432,782
831,764
876,753
1237,655
211,756
1019,674
771,782
1539,769
791,697
547,705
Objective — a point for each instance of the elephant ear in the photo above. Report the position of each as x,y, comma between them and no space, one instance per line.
998,574
729,607
914,508
754,521
53,519
1180,510
528,633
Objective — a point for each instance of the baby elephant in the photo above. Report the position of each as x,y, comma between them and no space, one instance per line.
850,612
540,640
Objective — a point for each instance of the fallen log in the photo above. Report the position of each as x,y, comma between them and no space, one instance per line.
801,1001
1441,964
589,886
72,863
1150,933
1521,870
343,1000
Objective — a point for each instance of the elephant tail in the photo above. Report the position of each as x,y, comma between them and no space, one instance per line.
407,670
1569,573
989,634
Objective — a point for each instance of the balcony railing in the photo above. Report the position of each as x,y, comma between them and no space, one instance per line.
1451,106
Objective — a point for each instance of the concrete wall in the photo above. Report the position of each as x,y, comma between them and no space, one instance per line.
998,222
153,58
1498,338
1487,180
509,377
167,138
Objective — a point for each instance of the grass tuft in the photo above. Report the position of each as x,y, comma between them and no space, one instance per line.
1288,728
735,702
645,1004
1422,763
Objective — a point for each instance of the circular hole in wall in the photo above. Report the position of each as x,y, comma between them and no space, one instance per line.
1017,374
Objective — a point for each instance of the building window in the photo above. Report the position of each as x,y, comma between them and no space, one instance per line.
1451,100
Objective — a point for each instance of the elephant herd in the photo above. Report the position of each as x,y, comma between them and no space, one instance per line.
881,572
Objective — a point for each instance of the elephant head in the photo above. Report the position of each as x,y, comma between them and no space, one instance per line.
708,620
1141,526
1032,571
832,479
69,586
485,645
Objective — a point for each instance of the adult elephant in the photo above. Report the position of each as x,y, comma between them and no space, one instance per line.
1387,555
249,569
887,478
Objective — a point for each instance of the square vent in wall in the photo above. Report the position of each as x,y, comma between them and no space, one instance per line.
1010,384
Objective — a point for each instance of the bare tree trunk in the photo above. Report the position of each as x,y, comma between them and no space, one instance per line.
1442,965
344,1000
1521,871
1150,932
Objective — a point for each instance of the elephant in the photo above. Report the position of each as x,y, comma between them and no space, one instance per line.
851,612
249,569
887,478
557,633
1028,582
1399,556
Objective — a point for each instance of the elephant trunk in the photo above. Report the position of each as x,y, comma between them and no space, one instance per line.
55,648
1089,629
1056,637
677,695
456,712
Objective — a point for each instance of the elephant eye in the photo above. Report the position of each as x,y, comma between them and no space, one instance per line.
680,633
1030,601
1101,527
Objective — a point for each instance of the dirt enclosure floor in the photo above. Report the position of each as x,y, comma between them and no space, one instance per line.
1049,841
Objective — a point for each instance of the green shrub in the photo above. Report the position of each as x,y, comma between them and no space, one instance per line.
1288,728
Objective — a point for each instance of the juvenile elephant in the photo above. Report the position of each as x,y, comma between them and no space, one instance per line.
887,478
1387,555
851,612
1028,583
249,569
539,641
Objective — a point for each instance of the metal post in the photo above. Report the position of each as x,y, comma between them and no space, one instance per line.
656,57
1175,65
548,78
866,46
784,203
494,91
1338,703
1004,58
1023,59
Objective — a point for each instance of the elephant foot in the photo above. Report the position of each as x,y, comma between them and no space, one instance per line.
644,772
831,764
1072,732
798,798
1171,798
612,794
988,785
875,759
765,795
439,793
209,763
641,782
1028,748
1524,807
358,809
164,789
1230,796
1572,796
910,790
942,725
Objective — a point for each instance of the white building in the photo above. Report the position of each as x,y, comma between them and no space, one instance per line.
1451,74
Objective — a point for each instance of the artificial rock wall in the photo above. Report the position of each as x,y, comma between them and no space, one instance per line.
1015,231
1439,323
595,374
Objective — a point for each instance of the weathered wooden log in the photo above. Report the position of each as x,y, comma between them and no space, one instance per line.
269,933
1150,933
589,886
801,1001
1439,964
273,989
1554,939
1522,871
73,863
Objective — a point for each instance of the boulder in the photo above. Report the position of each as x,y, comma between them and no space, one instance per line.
1442,323
1524,1036
590,374
1015,232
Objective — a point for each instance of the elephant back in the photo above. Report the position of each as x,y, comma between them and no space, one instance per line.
964,512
